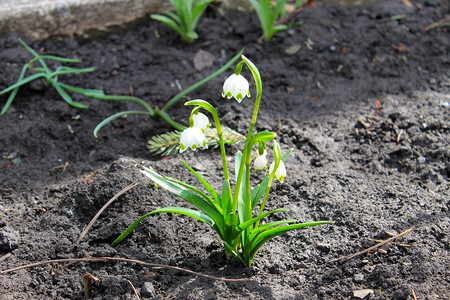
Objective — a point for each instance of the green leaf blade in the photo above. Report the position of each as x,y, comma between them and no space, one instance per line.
176,210
188,196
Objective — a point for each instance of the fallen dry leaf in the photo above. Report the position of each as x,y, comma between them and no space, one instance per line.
203,59
407,3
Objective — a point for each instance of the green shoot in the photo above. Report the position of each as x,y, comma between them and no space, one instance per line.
268,16
185,20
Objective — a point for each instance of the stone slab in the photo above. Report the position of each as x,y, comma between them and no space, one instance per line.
40,19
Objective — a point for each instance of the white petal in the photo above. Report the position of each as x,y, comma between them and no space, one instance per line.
236,86
260,163
201,121
280,173
193,138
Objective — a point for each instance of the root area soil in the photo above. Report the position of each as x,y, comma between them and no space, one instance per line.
360,94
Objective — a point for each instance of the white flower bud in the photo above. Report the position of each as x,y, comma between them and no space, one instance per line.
280,173
236,86
193,138
201,121
260,162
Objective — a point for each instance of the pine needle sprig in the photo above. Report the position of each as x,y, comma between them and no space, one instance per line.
168,144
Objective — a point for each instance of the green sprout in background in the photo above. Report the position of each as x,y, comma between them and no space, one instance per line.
185,20
162,145
270,16
51,78
236,215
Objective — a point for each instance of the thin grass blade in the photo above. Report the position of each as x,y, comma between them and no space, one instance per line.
66,96
264,236
189,196
195,190
116,116
23,81
207,186
176,210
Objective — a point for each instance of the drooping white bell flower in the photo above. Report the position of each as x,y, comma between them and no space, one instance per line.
280,173
201,121
260,162
193,138
236,86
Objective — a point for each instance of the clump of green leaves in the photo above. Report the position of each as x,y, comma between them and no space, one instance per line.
52,78
235,214
269,15
185,19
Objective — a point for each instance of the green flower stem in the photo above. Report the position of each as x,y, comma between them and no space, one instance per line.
266,194
247,158
248,198
205,105
238,68
175,99
167,119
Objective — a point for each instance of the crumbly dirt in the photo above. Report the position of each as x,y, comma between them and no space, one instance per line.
361,95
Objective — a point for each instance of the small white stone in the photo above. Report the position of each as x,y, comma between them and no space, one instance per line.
148,289
361,294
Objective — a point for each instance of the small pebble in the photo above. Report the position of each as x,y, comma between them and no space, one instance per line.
9,239
302,278
422,160
391,232
382,251
358,278
323,247
293,49
148,290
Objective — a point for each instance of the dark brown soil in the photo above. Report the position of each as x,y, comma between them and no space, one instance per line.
373,172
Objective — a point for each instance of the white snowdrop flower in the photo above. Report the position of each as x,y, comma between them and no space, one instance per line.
201,121
236,86
280,173
193,138
260,162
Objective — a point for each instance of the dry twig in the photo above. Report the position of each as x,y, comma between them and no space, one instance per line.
134,289
118,259
442,22
395,243
129,187
5,257
342,259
